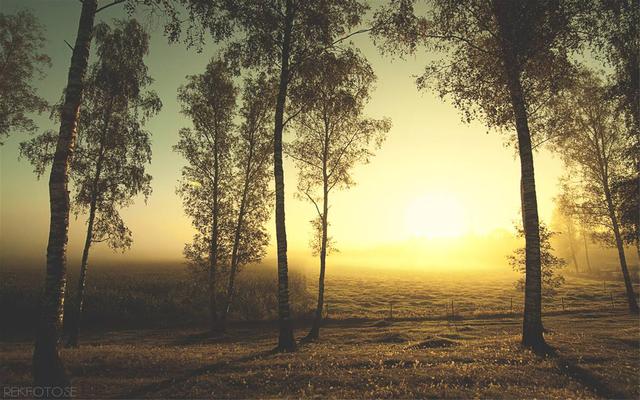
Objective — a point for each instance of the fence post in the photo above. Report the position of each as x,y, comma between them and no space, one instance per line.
453,312
326,310
562,301
391,310
511,305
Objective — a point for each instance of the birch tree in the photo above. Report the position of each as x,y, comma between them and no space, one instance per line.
593,146
209,100
251,193
566,220
613,28
48,369
112,150
277,38
502,59
21,61
332,137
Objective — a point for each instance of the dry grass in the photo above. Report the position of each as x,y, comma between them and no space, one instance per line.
597,356
422,295
420,354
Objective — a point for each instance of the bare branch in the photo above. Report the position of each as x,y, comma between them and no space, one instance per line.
314,203
115,2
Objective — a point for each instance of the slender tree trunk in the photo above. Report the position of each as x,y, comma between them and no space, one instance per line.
317,320
631,296
236,239
214,326
573,251
74,324
76,313
48,369
286,340
586,250
532,329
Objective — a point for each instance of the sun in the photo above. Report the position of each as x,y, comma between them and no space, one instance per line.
435,215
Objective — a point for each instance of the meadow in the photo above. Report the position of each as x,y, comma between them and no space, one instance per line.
154,345
170,296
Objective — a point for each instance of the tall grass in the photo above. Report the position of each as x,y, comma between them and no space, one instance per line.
164,297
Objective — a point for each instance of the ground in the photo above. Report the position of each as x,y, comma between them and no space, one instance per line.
596,357
365,352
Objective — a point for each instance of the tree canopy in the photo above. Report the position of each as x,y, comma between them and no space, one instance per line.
21,62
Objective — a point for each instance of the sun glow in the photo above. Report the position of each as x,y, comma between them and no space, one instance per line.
435,215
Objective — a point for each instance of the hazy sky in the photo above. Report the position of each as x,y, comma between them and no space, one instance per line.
434,180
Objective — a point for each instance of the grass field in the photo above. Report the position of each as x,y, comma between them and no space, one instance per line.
422,352
422,295
597,357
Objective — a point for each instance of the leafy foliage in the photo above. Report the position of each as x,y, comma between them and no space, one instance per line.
593,146
21,61
468,68
225,184
549,263
612,29
209,100
332,135
109,166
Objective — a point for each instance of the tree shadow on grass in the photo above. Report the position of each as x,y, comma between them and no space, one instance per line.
204,370
569,367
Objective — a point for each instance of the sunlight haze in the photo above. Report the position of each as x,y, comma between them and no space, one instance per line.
435,181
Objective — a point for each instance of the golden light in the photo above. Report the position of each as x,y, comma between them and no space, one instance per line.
435,215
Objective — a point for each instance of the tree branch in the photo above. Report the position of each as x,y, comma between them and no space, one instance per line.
342,39
71,47
302,160
314,203
115,2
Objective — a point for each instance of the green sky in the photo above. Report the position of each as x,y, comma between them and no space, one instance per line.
431,165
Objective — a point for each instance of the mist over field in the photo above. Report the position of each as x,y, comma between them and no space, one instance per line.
342,199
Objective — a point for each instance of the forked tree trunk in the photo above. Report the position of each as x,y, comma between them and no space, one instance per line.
631,296
286,341
76,313
48,369
532,330
237,236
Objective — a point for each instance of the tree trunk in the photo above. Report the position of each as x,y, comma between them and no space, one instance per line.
286,341
76,313
48,369
586,250
236,239
631,296
74,326
532,330
317,320
314,334
214,326
573,251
